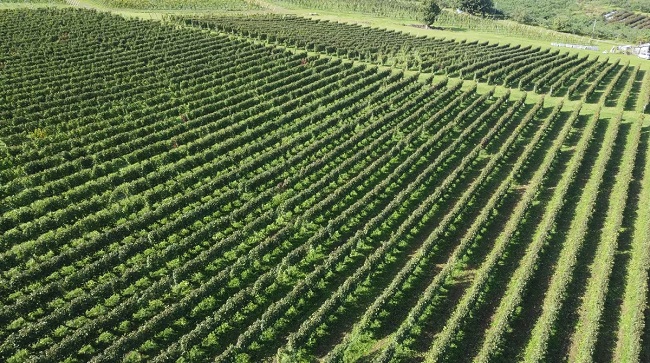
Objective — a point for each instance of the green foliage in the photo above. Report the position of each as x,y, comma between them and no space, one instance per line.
584,18
242,358
476,7
38,134
431,12
133,357
21,356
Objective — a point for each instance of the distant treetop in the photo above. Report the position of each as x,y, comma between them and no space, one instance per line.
431,12
477,7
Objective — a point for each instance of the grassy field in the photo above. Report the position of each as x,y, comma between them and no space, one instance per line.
243,186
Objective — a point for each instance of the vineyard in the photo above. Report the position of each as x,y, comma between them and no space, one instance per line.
633,20
33,1
527,68
260,188
401,9
217,5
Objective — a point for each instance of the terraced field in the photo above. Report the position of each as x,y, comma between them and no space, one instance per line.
631,19
171,193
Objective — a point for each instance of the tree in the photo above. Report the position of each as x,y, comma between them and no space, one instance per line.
522,15
476,7
431,12
561,23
